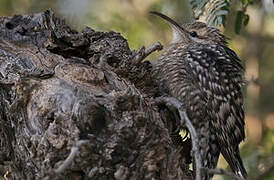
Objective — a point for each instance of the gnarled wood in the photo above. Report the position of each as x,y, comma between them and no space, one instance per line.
76,105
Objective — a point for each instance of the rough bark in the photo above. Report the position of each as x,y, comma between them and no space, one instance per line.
79,106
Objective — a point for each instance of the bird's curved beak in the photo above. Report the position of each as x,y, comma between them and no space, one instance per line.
178,31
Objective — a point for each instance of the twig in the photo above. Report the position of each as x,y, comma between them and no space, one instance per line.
154,47
142,53
170,101
194,138
70,158
221,172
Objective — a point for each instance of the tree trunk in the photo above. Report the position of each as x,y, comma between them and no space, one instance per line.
79,106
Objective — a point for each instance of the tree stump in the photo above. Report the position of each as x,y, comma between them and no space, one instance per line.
79,105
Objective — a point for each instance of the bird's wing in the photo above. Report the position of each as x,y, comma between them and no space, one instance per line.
219,74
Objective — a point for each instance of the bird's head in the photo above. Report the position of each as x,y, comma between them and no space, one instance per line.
193,32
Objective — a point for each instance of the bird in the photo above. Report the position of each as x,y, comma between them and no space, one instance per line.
206,76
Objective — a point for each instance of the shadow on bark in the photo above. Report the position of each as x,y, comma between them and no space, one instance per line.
79,105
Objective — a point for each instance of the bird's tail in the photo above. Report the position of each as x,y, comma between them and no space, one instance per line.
232,156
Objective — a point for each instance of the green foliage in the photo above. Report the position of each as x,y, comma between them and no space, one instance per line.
241,19
238,23
217,10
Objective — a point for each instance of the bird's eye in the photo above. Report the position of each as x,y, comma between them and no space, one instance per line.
193,34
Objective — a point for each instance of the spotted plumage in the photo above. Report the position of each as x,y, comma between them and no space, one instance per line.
206,76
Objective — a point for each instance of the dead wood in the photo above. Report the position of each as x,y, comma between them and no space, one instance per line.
79,105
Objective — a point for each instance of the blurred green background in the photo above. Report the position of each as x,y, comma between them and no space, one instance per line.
254,45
